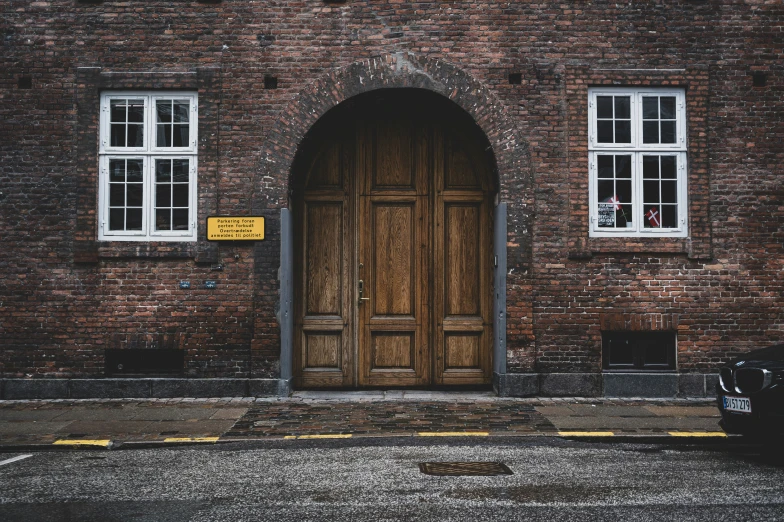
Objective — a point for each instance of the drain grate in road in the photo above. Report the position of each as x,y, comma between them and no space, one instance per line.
457,469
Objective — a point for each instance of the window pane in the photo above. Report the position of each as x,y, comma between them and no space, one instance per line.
669,192
117,219
606,190
163,219
650,132
116,170
604,107
623,166
655,353
135,136
181,111
667,107
650,167
164,135
623,191
163,170
180,168
624,216
653,217
180,135
117,111
134,219
605,166
650,108
668,170
134,195
669,216
117,194
622,107
162,195
604,131
117,135
623,132
136,111
650,191
668,132
163,111
180,219
135,170
180,195
620,352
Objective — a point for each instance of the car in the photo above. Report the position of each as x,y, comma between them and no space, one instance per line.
750,394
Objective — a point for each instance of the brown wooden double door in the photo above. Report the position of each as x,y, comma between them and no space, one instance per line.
394,257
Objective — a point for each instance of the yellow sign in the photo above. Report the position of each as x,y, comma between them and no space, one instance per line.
230,228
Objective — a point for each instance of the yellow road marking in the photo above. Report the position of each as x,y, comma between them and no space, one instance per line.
453,433
697,434
290,437
82,442
327,436
191,439
586,433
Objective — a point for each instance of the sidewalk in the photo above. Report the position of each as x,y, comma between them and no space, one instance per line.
115,422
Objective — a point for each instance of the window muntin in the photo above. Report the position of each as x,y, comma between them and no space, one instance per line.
148,167
637,162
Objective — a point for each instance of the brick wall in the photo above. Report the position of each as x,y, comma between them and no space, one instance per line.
64,298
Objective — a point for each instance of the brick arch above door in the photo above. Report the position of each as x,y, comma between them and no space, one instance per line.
510,147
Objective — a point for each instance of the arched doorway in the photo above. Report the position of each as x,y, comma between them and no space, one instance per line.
392,202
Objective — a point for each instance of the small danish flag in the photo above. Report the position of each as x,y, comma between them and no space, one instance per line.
615,201
653,217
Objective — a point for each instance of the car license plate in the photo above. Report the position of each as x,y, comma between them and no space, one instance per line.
739,404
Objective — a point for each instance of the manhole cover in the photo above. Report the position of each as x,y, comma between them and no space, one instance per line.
454,469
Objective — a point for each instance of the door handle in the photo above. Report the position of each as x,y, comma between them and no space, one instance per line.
361,291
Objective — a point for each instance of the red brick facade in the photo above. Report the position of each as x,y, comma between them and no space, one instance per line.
266,71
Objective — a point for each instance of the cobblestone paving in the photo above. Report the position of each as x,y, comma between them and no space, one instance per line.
389,418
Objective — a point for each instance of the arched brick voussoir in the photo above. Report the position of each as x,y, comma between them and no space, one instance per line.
395,71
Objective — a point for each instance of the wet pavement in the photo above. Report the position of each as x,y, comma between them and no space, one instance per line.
113,422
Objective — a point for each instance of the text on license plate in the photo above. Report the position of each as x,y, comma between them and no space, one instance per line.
741,404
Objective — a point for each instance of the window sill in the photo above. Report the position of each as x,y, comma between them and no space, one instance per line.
151,249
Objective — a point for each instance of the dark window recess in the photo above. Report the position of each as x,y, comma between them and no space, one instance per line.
516,78
270,82
638,350
138,362
25,82
760,79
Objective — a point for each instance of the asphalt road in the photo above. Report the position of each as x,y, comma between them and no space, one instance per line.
367,479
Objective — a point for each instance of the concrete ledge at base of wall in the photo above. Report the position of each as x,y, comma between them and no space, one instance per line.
21,389
516,384
570,384
651,385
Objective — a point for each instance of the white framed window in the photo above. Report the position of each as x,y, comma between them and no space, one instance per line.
637,162
148,166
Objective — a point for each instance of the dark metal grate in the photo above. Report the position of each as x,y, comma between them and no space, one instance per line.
456,469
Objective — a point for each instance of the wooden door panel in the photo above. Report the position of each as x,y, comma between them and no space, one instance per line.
393,244
323,309
463,332
324,231
392,261
462,351
462,262
393,155
394,350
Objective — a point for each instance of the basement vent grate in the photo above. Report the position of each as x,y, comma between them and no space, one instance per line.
457,469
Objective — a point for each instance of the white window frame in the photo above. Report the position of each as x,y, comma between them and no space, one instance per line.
148,153
637,150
